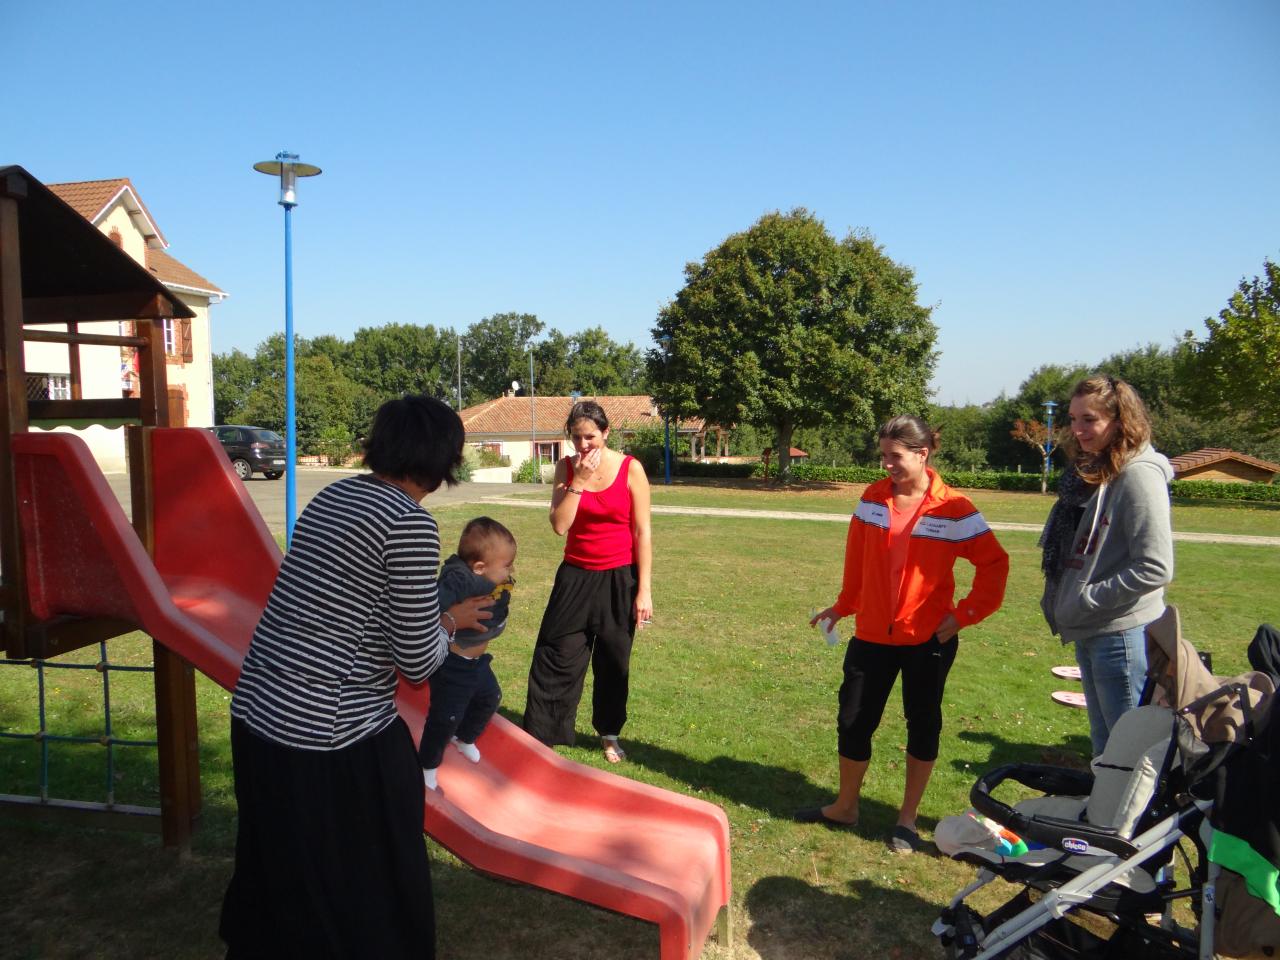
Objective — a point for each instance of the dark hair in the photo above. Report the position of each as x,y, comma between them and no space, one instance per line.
587,410
1120,402
912,432
478,535
415,438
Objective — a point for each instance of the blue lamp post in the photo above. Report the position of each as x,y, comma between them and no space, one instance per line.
665,340
288,169
1048,444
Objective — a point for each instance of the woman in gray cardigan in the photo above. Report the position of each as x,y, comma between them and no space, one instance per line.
1108,547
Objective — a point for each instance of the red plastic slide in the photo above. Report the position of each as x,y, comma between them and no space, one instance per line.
523,813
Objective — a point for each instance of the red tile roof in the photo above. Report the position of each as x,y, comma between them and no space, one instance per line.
506,415
90,198
177,274
1202,458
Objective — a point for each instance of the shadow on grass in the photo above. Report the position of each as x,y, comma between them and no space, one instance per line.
1073,753
791,918
777,791
93,893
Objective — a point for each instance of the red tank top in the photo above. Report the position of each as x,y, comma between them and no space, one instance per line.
600,537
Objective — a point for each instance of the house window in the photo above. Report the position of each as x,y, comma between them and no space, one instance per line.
493,446
548,451
48,386
177,339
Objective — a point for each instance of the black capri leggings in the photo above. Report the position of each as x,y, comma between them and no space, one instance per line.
869,672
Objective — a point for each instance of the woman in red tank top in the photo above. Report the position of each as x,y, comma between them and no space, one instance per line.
602,589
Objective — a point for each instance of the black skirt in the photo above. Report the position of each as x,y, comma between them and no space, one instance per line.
330,856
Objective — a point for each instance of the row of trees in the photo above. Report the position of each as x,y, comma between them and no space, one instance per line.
798,338
1220,388
341,382
794,338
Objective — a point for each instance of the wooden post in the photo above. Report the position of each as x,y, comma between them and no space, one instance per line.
73,363
177,732
13,415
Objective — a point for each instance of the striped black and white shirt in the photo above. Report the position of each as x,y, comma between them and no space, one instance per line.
355,601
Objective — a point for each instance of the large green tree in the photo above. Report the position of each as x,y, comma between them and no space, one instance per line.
234,377
603,367
400,358
330,407
1235,370
495,351
782,326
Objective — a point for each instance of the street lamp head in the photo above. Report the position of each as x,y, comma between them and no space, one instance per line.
288,169
1050,405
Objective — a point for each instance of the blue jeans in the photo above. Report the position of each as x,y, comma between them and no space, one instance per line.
1113,668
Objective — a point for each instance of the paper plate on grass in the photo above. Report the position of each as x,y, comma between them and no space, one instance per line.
1066,673
1068,698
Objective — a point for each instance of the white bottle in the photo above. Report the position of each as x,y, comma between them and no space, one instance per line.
828,628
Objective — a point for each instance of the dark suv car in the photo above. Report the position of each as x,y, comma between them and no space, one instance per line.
252,449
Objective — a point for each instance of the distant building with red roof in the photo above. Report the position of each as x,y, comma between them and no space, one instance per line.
521,430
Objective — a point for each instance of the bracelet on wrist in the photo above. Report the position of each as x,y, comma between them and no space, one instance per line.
452,622
572,490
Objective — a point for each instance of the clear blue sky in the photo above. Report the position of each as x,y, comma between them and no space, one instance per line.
1067,180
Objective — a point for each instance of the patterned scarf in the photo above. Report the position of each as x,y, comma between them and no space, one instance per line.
1060,529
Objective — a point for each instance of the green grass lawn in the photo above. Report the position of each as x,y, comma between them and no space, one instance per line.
1256,519
732,700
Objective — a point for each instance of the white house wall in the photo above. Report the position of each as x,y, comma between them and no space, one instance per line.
134,244
99,379
197,376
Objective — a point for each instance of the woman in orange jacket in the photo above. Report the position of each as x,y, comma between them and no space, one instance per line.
904,540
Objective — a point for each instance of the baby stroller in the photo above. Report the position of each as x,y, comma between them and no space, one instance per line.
1192,757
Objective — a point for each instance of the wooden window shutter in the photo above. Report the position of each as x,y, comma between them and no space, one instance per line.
177,407
186,341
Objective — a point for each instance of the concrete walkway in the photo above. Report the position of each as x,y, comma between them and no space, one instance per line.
1234,538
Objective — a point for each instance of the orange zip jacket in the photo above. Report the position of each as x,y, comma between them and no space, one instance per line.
948,526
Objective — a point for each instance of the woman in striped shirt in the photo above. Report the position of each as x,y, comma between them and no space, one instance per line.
330,859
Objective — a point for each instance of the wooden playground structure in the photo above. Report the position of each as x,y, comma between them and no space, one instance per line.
57,271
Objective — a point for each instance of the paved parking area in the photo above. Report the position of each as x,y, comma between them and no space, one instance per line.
269,494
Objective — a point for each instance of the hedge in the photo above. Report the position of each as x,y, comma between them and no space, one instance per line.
967,479
684,468
1215,490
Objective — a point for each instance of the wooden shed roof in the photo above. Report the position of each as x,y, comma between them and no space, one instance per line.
1212,455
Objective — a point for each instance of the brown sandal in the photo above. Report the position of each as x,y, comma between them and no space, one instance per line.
613,751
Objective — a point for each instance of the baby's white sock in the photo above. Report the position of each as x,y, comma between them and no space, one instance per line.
429,778
468,750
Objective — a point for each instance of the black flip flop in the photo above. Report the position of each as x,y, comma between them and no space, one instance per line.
905,840
815,815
